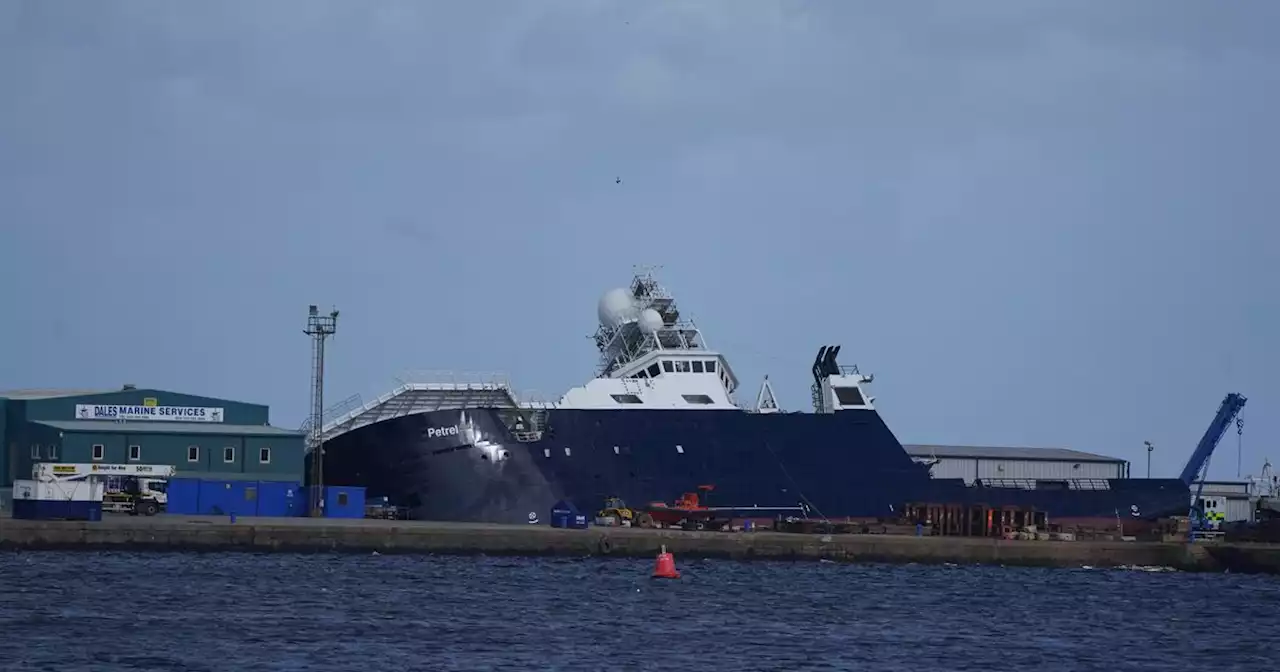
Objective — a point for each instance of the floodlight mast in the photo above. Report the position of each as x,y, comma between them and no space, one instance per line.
319,328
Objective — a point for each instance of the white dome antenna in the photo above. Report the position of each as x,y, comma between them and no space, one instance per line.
616,307
650,321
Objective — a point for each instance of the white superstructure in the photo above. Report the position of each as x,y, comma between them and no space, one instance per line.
650,358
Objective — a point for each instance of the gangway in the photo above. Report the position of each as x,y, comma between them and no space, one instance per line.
1197,467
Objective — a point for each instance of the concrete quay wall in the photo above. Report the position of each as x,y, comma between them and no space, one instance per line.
181,533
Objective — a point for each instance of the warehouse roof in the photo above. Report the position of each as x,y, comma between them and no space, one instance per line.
149,427
1007,453
43,393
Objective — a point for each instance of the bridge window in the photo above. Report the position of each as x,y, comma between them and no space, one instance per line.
99,451
193,453
135,453
698,399
682,366
626,398
849,396
546,452
566,451
680,449
711,366
668,367
697,366
654,370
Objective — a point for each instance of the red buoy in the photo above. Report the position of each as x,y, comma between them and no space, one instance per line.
665,568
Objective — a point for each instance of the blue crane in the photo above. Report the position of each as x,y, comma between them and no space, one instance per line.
1197,466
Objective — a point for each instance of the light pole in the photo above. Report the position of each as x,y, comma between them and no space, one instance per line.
1149,449
319,327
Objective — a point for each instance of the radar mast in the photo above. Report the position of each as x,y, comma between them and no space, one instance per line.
640,319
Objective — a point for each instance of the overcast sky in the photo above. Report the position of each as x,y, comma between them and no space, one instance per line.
1046,224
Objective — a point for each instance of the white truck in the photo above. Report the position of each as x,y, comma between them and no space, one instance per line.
135,489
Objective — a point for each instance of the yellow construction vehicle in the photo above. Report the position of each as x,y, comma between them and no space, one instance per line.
616,512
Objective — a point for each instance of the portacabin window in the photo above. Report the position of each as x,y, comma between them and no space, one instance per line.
264,455
229,454
99,451
193,453
135,453
35,451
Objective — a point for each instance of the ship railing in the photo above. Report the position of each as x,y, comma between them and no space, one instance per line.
1089,484
535,400
1016,483
1050,484
447,380
534,407
343,421
341,408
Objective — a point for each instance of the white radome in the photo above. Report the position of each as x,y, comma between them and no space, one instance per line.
650,321
616,307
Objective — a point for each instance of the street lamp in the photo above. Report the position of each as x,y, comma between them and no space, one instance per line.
1149,449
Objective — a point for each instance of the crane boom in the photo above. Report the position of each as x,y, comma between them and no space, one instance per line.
51,471
1227,412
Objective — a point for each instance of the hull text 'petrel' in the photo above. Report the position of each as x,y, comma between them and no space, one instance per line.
660,420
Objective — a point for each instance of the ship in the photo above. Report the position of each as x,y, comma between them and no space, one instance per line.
658,419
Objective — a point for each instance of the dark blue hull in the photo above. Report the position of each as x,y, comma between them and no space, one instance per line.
839,465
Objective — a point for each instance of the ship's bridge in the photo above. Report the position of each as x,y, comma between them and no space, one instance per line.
660,379
417,392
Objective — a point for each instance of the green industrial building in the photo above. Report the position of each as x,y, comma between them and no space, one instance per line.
203,437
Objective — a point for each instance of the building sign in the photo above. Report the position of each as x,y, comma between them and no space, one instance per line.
170,413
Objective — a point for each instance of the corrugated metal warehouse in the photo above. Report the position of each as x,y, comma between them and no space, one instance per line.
1005,463
202,437
1236,503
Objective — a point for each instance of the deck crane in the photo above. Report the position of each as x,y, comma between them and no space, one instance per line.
1197,466
139,496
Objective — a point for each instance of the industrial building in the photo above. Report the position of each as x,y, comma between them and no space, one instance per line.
996,463
203,437
1235,499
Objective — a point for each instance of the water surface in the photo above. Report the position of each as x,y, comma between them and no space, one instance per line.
80,611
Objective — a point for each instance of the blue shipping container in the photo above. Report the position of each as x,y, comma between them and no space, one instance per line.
280,498
184,496
340,501
223,498
343,501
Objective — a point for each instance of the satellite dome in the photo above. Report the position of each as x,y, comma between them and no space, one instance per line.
616,307
650,321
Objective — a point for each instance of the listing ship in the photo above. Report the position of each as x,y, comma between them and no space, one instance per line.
660,419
